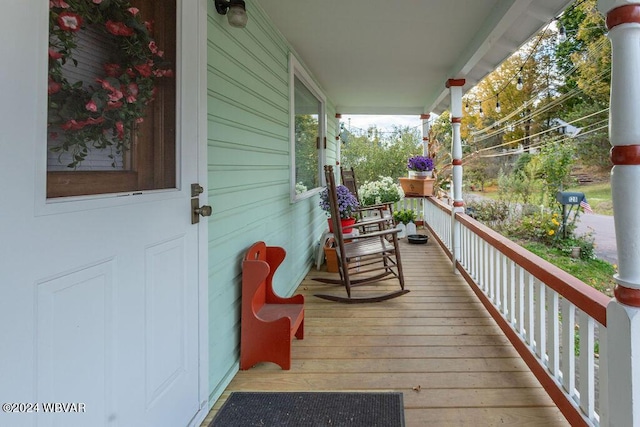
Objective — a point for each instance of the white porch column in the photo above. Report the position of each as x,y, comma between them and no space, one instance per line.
338,141
455,90
426,126
623,312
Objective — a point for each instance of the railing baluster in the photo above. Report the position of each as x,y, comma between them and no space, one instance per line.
586,365
568,347
511,297
450,235
482,272
464,254
497,280
471,238
491,280
504,282
553,332
602,379
540,334
494,273
478,245
520,275
530,311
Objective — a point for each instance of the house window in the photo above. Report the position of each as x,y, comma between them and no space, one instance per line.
308,133
111,123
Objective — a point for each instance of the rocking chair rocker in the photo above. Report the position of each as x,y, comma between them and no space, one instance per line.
371,257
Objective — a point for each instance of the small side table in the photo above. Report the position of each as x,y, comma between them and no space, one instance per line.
326,236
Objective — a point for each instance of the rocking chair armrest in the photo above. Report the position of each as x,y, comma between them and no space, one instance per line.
380,233
370,221
376,206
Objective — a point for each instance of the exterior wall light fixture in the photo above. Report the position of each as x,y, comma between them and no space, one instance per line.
235,10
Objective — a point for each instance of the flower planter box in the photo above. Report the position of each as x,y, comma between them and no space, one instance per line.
417,187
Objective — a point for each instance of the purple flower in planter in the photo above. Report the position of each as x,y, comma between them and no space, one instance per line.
347,202
420,163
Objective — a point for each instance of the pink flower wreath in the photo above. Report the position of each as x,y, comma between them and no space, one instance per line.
102,113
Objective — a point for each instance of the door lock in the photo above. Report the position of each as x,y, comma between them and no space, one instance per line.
196,190
197,210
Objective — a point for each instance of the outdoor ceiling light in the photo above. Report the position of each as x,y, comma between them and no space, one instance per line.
235,10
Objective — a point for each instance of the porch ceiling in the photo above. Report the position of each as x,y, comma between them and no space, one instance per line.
394,57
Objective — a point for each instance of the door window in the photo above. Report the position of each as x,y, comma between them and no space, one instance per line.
111,123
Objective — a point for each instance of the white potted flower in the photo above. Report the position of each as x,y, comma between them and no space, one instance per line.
379,192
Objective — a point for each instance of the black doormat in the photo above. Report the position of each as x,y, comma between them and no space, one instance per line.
311,409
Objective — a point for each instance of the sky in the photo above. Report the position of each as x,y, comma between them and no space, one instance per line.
384,123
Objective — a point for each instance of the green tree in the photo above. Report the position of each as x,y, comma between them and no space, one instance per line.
522,113
380,154
593,61
585,61
556,161
570,20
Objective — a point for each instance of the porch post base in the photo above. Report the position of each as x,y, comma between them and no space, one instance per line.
623,365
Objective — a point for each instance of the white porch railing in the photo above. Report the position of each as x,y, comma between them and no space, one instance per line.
555,321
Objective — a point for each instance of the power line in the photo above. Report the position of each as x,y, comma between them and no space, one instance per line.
542,143
546,131
541,33
568,95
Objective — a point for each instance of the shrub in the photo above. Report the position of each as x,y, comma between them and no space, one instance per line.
490,212
382,191
543,227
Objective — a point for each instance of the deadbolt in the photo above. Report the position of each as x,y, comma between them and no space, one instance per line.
197,211
196,190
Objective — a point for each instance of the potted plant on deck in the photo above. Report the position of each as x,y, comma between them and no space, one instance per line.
420,182
420,167
347,205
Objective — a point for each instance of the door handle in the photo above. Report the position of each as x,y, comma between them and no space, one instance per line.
197,210
205,210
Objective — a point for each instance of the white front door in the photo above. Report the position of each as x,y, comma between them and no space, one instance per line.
100,296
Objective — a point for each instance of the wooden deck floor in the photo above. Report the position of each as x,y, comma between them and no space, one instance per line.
436,344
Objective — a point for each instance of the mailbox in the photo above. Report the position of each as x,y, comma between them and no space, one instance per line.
569,197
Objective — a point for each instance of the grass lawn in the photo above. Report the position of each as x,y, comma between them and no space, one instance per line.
594,272
598,195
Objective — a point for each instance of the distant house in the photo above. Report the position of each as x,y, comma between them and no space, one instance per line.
565,128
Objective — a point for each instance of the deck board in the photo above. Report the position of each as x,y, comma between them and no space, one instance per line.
437,345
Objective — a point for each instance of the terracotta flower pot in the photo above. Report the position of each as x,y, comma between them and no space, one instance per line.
345,223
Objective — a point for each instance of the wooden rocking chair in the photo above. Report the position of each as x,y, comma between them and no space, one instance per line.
349,180
368,258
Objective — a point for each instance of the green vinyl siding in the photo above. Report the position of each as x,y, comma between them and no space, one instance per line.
248,162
